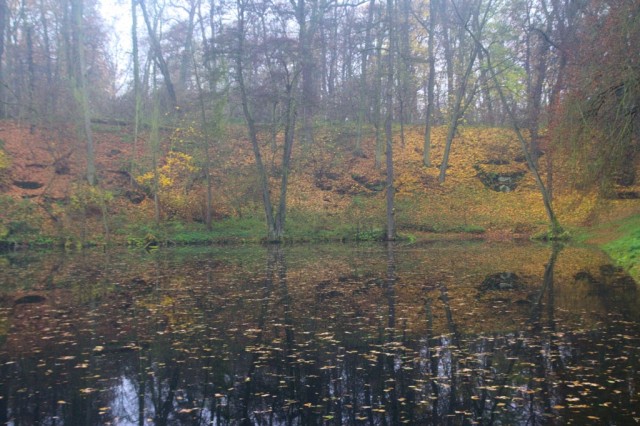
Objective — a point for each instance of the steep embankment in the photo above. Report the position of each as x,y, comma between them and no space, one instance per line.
334,194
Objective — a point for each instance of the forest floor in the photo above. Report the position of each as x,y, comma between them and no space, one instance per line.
335,193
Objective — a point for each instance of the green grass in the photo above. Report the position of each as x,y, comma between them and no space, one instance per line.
234,230
625,249
301,226
619,239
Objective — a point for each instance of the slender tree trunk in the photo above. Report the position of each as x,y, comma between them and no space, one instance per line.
49,97
187,54
448,52
391,224
457,112
538,76
461,102
251,127
362,106
159,58
426,152
31,76
155,148
377,107
555,227
489,118
136,87
81,88
305,39
3,26
286,160
204,128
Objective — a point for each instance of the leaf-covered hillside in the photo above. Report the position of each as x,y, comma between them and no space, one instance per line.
334,193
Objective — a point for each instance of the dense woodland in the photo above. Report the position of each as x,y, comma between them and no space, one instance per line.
306,86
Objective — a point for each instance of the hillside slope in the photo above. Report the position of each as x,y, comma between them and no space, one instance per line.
333,193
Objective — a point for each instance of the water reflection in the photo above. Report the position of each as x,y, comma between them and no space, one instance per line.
443,334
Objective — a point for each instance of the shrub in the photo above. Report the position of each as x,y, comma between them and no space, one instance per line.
5,168
20,220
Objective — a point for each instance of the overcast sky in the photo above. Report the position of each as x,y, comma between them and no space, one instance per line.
117,17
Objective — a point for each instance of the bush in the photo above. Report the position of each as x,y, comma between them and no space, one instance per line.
5,167
20,221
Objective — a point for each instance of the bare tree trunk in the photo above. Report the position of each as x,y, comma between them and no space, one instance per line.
448,52
306,33
31,73
49,102
362,106
457,112
290,121
157,54
187,54
3,25
391,224
377,115
463,95
154,140
555,227
486,93
136,87
426,152
81,88
204,128
538,76
253,134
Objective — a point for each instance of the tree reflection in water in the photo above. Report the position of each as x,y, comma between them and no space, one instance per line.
366,335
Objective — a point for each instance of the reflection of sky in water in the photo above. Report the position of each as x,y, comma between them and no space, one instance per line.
124,406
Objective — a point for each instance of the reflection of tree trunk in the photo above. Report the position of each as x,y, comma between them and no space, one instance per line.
547,286
166,408
142,389
390,285
277,269
272,266
4,393
543,357
534,318
453,329
432,342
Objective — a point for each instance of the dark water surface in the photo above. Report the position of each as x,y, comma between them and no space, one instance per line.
449,333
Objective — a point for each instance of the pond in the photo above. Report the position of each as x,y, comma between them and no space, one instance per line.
441,333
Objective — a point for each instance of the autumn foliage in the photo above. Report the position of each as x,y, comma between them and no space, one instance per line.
333,191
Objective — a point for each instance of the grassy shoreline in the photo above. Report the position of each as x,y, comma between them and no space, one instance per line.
620,239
